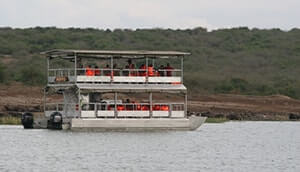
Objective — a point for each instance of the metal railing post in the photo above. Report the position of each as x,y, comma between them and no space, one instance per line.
79,103
181,70
48,65
115,109
95,109
111,69
44,100
170,109
75,69
151,104
147,70
185,105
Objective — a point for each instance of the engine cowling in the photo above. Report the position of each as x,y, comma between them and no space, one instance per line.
55,121
27,120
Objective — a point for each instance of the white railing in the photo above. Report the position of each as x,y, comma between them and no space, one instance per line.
93,110
84,75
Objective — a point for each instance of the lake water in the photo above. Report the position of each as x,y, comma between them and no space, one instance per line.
232,146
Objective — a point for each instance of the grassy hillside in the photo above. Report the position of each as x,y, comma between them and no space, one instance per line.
239,60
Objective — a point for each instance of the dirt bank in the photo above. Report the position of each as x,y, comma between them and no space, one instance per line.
17,98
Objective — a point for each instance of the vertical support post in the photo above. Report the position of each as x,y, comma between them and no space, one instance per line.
182,70
44,100
151,104
79,103
48,66
153,61
115,100
111,69
75,69
170,110
185,104
147,70
95,109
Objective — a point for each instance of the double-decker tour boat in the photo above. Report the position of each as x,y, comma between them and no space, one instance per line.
115,90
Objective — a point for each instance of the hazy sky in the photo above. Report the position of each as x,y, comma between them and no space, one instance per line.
211,14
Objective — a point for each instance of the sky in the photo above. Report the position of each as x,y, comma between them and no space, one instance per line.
133,14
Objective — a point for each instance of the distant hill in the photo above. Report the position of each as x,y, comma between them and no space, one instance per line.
238,60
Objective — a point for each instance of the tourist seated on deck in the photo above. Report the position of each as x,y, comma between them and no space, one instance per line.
116,72
150,70
80,69
169,69
131,67
89,71
106,70
97,71
126,71
142,71
161,70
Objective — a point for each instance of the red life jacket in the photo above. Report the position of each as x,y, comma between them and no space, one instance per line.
169,70
143,70
145,108
156,107
138,107
120,107
97,72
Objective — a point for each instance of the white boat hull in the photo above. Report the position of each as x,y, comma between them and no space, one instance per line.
133,124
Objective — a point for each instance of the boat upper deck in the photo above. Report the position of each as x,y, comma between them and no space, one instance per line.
69,67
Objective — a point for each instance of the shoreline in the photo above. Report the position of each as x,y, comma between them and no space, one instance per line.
13,120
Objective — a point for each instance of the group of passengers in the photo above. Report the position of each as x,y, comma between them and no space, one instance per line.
133,105
130,70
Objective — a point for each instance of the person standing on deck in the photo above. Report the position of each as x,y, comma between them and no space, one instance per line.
131,67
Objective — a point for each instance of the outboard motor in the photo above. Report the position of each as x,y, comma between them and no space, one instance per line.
55,121
27,120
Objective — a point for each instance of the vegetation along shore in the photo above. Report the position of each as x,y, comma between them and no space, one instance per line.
232,74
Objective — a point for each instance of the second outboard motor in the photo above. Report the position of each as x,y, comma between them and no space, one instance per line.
55,121
27,120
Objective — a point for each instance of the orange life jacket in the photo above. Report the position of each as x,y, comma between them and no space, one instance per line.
165,108
89,72
150,71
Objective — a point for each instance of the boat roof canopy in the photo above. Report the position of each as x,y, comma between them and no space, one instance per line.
132,88
70,54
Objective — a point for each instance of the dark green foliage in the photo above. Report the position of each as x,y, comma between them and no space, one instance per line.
2,76
234,85
238,60
31,75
